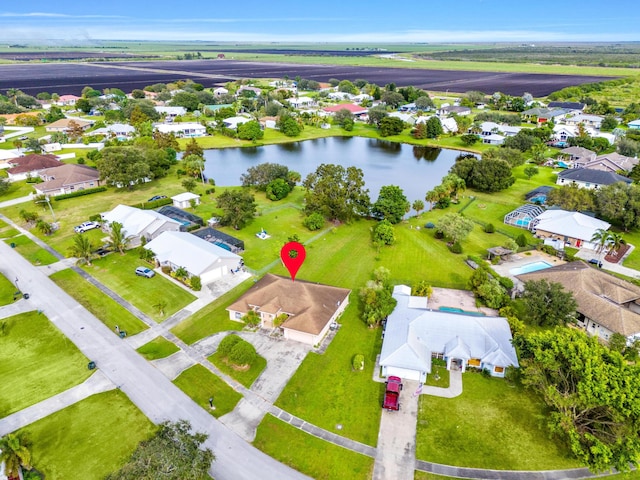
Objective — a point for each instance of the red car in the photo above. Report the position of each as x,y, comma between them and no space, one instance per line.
392,393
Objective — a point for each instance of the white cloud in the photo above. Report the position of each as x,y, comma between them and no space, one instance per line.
56,15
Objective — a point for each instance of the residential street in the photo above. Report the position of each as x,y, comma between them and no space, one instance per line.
145,385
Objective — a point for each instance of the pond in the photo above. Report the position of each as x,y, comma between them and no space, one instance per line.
415,169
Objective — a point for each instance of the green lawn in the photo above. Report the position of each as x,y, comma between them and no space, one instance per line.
310,455
36,362
157,348
491,425
211,319
337,394
201,385
7,230
118,273
90,439
430,476
245,377
7,290
31,251
17,190
107,310
442,375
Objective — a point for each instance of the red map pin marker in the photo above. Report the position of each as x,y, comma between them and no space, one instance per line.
293,255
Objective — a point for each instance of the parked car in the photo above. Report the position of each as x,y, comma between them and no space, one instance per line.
102,251
156,197
392,393
86,226
144,272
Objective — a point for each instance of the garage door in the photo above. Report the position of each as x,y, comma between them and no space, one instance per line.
211,275
403,373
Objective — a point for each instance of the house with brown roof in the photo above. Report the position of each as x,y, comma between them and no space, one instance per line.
606,304
30,166
67,178
64,125
310,308
612,162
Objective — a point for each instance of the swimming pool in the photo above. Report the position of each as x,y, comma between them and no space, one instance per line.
530,267
461,311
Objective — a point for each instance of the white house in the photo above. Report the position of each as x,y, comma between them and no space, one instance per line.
182,129
405,117
183,200
139,224
197,256
493,139
171,112
634,125
218,92
573,228
414,335
118,130
588,178
449,124
308,309
233,122
302,102
593,121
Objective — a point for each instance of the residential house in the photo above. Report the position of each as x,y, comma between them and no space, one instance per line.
356,110
592,121
569,106
491,128
634,125
302,101
170,113
256,91
121,131
212,109
309,308
218,92
182,129
414,335
139,224
6,156
541,115
445,111
30,166
183,200
67,178
269,122
233,122
612,162
562,134
588,178
606,304
576,156
65,124
405,117
67,100
449,124
493,139
573,228
197,256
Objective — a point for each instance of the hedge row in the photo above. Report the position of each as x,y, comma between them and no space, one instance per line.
80,193
155,204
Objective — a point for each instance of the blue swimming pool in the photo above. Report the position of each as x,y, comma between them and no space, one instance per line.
461,311
530,267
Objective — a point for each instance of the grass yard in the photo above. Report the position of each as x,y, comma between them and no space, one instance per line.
7,230
310,455
7,289
213,318
90,439
442,375
245,377
157,348
107,310
17,190
338,394
491,425
36,362
201,385
430,476
118,273
31,251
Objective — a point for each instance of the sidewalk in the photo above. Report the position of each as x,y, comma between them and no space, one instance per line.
16,201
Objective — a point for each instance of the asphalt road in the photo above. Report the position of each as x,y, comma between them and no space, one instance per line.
146,386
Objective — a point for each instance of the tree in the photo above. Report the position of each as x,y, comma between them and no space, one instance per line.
33,145
390,126
488,288
469,139
530,171
391,204
123,166
486,175
337,193
571,197
315,221
118,239
601,238
524,140
15,452
187,100
82,249
628,147
173,453
454,226
193,165
422,289
278,189
609,123
288,125
392,99
383,233
547,303
620,203
83,105
434,127
239,207
261,175
341,116
192,148
424,103
250,131
377,114
418,206
4,185
377,298
591,393
44,227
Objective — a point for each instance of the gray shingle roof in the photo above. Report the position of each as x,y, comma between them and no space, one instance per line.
593,176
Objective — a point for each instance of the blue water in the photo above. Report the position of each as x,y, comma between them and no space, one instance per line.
461,311
222,245
530,267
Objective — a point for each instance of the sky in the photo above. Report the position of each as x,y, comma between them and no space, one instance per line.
326,21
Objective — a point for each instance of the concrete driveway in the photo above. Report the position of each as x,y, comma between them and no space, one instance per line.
396,450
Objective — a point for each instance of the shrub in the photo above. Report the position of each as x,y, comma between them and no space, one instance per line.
506,282
196,283
439,234
80,193
81,161
252,318
315,221
95,218
456,248
166,269
242,353
521,240
155,204
489,228
438,362
358,362
227,344
422,289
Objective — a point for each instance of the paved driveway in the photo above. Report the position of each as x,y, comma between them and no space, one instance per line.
396,450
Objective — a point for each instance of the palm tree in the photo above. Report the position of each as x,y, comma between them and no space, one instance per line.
601,238
615,241
15,453
118,239
82,249
12,93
